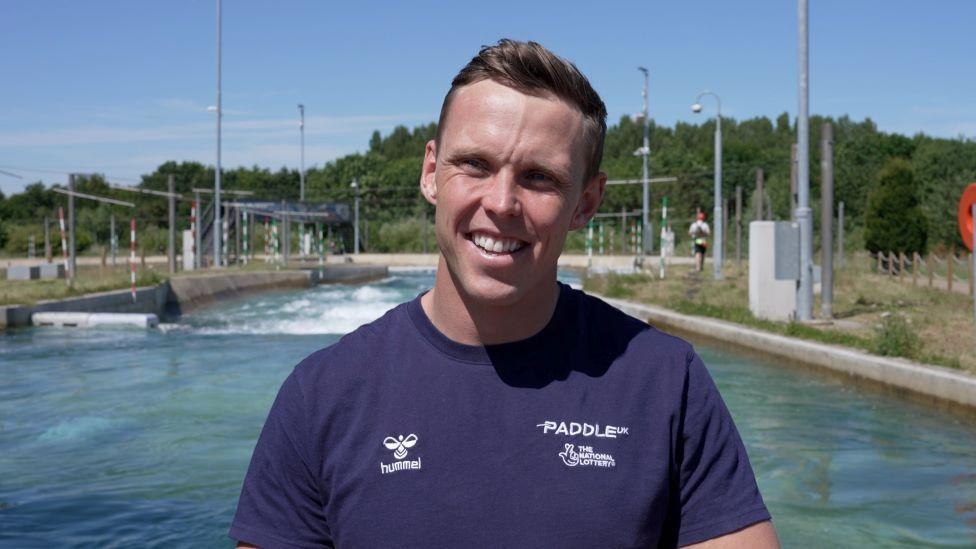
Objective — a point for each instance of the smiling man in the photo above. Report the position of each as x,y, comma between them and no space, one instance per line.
502,408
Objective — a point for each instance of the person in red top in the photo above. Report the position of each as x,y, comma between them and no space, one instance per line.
698,231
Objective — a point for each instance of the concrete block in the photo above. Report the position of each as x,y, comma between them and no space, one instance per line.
52,270
23,272
769,297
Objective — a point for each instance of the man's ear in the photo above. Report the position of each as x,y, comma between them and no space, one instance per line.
428,171
589,201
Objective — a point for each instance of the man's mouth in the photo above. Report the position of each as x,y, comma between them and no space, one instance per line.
496,245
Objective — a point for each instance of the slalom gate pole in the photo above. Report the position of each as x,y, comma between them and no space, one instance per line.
132,256
64,246
193,231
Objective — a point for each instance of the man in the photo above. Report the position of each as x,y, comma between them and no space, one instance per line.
502,408
699,232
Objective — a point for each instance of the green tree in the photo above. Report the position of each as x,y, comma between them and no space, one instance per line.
894,221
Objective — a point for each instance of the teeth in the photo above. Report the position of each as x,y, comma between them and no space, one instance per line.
495,246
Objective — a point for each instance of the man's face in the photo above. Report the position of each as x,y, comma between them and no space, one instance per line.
507,180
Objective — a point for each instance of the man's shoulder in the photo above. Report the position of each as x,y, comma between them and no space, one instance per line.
354,353
609,326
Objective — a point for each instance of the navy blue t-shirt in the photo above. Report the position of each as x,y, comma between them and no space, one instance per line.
599,431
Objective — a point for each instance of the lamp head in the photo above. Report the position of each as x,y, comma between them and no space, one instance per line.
696,108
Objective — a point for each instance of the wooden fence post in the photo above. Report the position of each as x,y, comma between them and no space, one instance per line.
879,262
891,263
928,267
915,260
951,262
901,266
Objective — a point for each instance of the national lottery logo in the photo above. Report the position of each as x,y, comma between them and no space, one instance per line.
574,455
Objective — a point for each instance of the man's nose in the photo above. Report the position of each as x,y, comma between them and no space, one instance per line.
502,198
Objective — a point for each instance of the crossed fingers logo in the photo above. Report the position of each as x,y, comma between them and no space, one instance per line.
400,444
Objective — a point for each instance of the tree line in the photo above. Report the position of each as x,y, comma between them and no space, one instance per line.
900,192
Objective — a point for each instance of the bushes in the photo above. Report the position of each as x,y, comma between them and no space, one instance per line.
405,235
894,221
894,337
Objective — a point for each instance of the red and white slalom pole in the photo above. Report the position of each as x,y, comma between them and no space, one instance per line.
64,244
132,257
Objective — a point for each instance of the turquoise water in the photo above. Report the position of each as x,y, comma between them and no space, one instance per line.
141,438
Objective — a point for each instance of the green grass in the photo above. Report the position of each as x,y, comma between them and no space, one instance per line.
883,315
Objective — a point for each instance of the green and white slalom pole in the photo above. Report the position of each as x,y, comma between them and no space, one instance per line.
244,229
318,231
601,239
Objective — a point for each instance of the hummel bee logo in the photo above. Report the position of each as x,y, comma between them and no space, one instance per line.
400,444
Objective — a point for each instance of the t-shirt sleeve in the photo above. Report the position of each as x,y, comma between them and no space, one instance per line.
718,490
280,504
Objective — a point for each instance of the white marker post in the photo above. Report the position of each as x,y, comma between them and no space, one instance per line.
132,257
64,245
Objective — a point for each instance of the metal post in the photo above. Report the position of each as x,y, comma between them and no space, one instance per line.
301,173
760,195
198,233
285,234
804,298
827,221
355,226
645,152
738,225
72,259
47,240
840,235
171,247
216,223
114,239
793,182
717,251
238,223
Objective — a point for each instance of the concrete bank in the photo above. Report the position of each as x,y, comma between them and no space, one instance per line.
930,381
185,293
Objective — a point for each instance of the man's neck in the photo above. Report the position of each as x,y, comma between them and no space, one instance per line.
465,320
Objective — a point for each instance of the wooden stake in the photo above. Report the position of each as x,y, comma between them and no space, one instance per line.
915,260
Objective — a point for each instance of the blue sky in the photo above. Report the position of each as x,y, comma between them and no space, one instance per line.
118,87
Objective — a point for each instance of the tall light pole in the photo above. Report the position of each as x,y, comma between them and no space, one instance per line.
216,224
301,173
645,151
804,292
717,215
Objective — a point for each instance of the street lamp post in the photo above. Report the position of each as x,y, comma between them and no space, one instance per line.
301,173
804,292
717,215
645,151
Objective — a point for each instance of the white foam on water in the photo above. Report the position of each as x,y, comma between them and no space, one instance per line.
77,428
413,269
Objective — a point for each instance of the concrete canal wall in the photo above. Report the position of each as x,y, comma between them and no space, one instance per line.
185,293
930,381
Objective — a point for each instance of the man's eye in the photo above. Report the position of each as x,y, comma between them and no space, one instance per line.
473,163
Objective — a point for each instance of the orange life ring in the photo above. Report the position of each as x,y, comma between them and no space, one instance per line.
966,215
